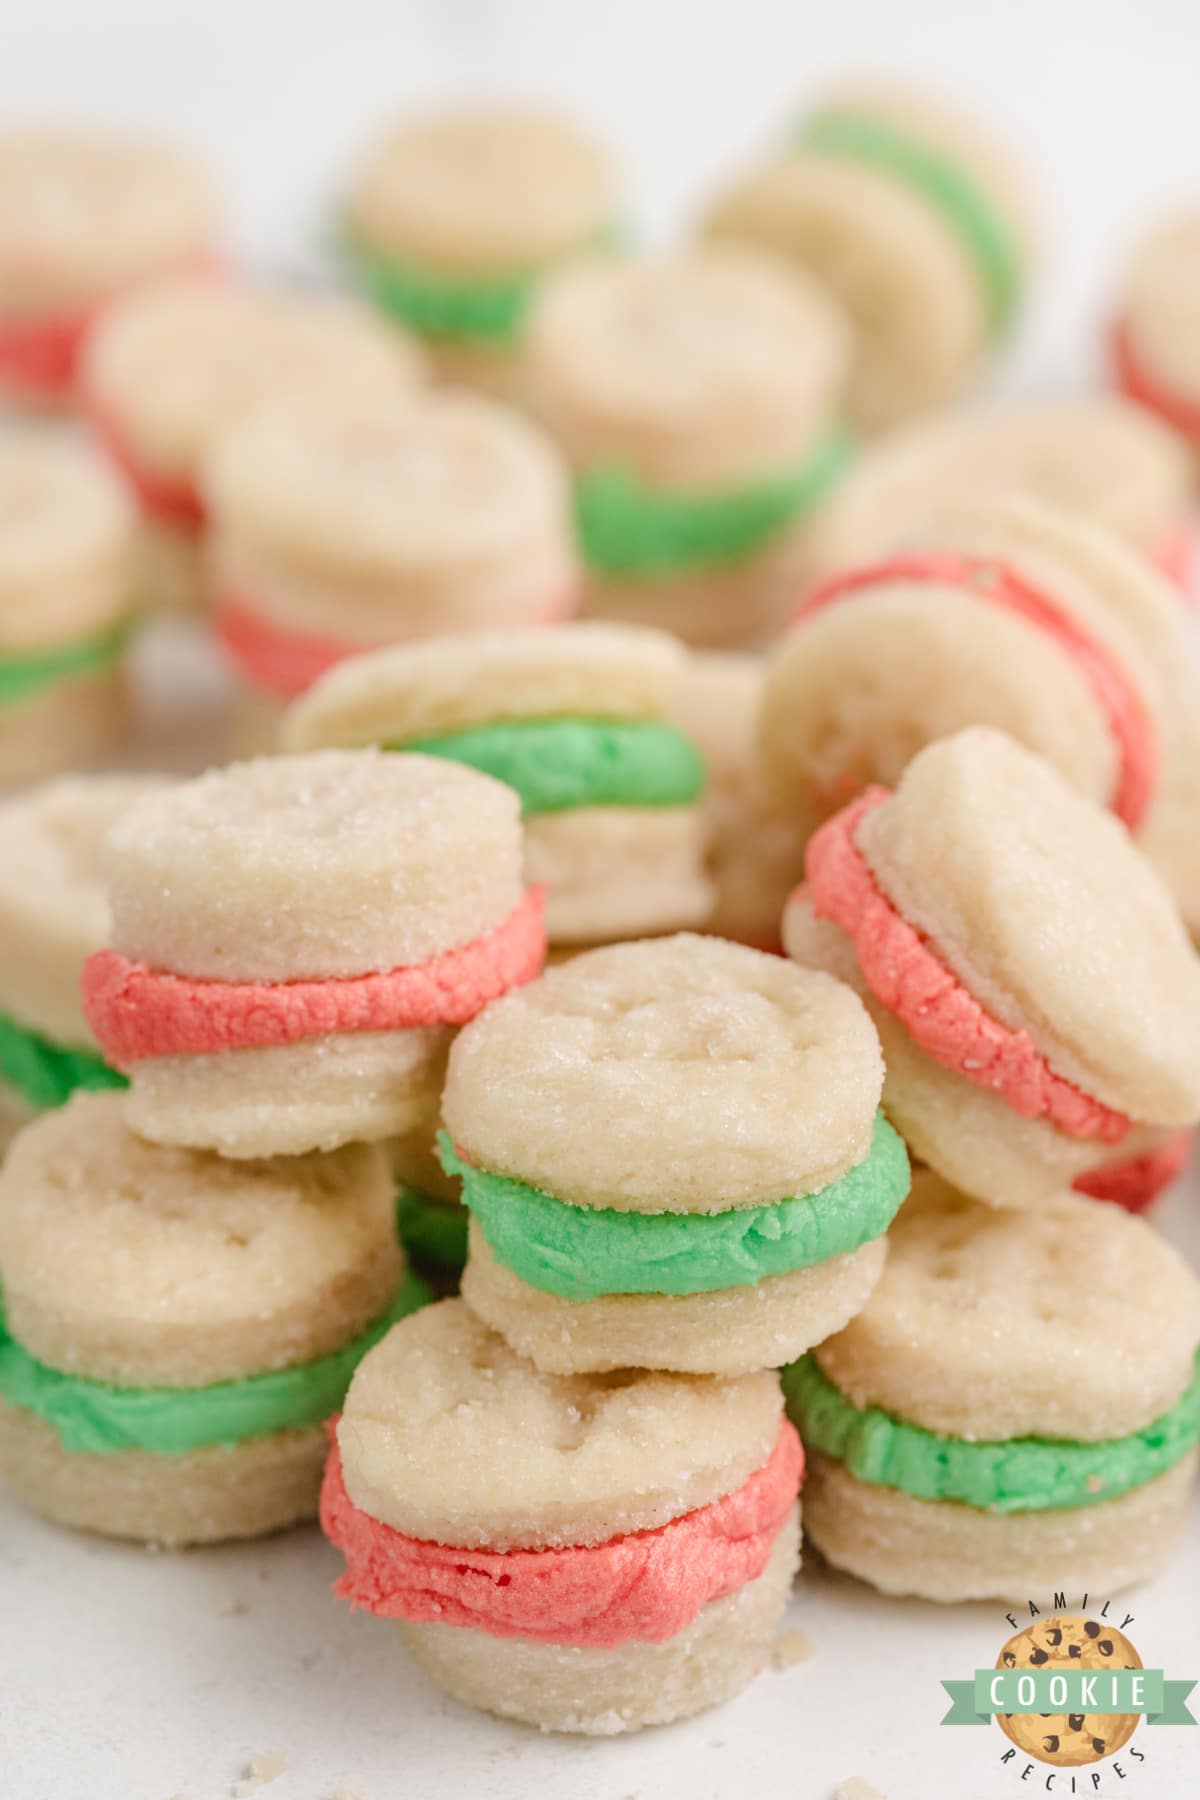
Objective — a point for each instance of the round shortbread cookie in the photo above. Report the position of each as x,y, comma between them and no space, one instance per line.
604,1692
481,191
333,864
732,1331
977,1328
755,843
1160,305
443,685
372,519
173,368
613,872
970,1135
207,1496
939,1550
127,1263
1097,458
447,1434
1049,916
707,371
84,214
680,1075
288,1099
53,909
67,544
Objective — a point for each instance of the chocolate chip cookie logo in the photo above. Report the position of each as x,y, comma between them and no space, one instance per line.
1070,1691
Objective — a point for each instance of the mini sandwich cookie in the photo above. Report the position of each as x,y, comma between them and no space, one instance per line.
973,1436
83,218
53,915
696,402
171,370
349,523
755,841
1036,994
1100,459
294,940
67,589
913,221
454,221
176,1328
674,1158
1010,614
585,1553
573,718
1154,354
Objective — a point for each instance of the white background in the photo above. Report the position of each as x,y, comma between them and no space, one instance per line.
126,1676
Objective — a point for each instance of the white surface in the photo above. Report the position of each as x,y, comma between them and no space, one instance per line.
126,1676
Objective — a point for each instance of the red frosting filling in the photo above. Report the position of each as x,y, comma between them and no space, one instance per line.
907,976
1175,556
1137,1181
173,499
137,1012
1112,690
641,1588
39,354
1136,383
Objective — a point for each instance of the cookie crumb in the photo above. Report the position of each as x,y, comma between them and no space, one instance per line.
789,1648
259,1772
855,1788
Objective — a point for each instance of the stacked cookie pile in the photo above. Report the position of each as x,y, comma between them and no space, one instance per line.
858,816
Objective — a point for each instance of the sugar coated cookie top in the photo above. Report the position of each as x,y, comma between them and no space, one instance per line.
67,534
444,684
82,213
1048,914
447,1434
302,867
714,368
1072,1320
127,1262
174,366
482,191
679,1074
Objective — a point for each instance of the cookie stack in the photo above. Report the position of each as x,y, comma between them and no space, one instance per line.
193,1267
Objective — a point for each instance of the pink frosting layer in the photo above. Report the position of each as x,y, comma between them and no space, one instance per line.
641,1588
1137,383
1175,556
1113,691
908,977
286,663
172,499
1137,1181
39,355
137,1012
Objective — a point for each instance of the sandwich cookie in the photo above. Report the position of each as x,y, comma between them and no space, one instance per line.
172,369
68,581
1153,343
346,524
574,719
454,221
585,1553
968,1439
696,401
294,941
1034,989
176,1328
755,841
84,218
53,915
913,221
1100,459
674,1158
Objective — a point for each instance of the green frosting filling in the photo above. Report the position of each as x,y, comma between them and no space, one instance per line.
1014,1475
487,311
22,676
982,232
631,530
432,1230
91,1416
555,764
46,1074
584,1252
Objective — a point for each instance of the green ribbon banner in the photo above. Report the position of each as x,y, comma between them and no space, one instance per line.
1043,1691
